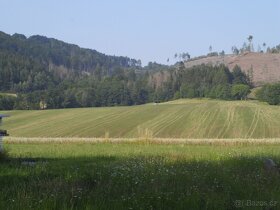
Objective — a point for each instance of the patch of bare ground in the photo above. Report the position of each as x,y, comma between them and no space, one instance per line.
266,66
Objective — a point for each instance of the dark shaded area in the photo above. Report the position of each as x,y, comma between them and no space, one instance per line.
139,182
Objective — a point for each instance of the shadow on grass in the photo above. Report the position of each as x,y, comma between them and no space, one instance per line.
139,182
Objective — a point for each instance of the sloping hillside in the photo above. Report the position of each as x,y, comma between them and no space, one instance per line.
176,119
266,66
53,54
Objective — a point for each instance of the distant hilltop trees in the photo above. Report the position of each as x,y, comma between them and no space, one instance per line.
246,47
249,47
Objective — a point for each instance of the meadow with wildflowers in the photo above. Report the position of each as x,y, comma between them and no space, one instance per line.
138,175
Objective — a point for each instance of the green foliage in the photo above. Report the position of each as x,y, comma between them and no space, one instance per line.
221,92
240,91
239,77
177,95
187,91
269,93
61,75
204,81
7,102
153,66
51,51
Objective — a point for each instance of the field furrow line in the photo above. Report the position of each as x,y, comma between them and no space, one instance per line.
204,117
227,123
256,123
252,125
175,117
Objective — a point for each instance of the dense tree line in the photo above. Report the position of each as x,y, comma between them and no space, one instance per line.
7,102
125,87
205,81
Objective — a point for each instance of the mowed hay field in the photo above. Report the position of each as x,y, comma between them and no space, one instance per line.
176,119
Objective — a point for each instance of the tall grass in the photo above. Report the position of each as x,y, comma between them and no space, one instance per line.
143,139
144,133
137,176
3,155
106,136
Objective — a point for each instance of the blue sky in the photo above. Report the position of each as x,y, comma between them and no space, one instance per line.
150,30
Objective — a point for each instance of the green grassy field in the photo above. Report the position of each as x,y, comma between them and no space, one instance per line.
138,176
58,169
177,119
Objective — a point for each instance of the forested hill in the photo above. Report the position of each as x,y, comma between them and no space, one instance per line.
54,53
47,73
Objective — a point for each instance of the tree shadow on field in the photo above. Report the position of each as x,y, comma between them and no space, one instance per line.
138,182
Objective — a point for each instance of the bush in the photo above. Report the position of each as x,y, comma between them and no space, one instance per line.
221,92
240,91
269,93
